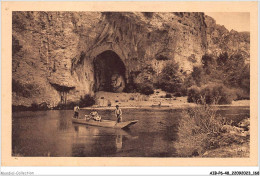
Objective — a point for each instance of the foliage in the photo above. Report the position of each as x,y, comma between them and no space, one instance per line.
209,63
34,107
196,129
193,94
168,95
25,90
240,94
148,14
146,89
211,94
179,94
130,88
170,71
69,105
201,129
197,74
171,79
231,71
41,106
86,101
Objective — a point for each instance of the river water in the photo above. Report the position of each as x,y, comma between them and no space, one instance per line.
51,133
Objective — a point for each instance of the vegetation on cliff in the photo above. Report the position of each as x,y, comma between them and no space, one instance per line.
171,80
220,79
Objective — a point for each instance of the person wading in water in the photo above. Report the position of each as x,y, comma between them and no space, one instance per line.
118,113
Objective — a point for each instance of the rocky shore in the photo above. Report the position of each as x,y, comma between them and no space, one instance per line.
234,141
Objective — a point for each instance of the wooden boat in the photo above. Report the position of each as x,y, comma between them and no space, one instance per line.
105,123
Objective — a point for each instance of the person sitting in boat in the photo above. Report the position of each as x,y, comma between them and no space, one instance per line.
118,113
94,115
76,111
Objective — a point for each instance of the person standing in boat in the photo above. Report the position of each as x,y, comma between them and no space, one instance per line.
118,113
76,111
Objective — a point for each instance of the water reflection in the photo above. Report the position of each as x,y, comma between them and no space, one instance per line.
97,141
76,128
119,142
52,133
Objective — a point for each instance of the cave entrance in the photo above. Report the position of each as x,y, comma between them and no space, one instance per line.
109,72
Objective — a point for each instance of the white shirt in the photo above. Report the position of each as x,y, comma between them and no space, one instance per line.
118,111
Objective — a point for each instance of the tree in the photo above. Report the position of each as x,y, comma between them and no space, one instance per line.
197,75
209,63
222,59
234,70
170,78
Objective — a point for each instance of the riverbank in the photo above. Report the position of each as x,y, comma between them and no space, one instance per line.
163,103
234,150
234,141
203,133
108,100
179,103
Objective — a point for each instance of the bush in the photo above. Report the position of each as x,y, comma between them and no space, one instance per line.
168,95
178,94
222,70
211,94
71,105
34,107
173,87
194,94
171,79
60,106
197,127
146,89
197,76
86,101
20,108
25,90
39,107
131,88
148,14
222,95
240,94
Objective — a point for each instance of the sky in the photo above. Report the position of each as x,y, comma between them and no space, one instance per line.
239,21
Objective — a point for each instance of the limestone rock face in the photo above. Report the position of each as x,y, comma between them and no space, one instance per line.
221,40
58,53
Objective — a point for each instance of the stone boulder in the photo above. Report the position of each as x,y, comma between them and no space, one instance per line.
117,83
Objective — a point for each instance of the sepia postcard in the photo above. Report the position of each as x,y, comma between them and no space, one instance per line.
129,84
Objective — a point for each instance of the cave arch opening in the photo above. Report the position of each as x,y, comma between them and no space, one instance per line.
109,72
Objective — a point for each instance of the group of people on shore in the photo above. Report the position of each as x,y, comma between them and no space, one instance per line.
94,115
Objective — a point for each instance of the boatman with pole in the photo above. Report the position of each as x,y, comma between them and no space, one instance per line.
118,113
76,111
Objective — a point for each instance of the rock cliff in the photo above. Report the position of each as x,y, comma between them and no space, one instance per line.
61,56
221,40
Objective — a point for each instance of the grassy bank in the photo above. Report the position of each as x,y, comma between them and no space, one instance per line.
204,133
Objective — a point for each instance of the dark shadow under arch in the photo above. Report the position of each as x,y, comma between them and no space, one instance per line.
109,72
